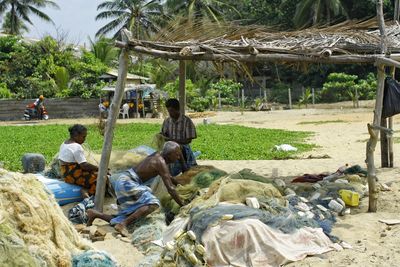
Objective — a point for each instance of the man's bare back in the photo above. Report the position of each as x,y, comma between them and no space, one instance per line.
151,166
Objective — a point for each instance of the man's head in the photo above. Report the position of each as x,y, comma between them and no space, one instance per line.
172,105
78,133
171,151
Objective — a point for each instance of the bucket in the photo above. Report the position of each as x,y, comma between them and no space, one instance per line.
349,197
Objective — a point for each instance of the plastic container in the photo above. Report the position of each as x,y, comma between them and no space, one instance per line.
63,192
349,197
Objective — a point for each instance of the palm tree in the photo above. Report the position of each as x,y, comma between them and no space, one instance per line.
199,9
141,17
317,11
104,49
19,11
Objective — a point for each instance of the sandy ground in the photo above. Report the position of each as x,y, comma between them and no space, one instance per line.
374,243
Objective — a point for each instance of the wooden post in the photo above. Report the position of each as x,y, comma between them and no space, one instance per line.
265,95
109,133
390,137
137,103
374,132
219,101
313,96
373,140
290,99
182,85
396,9
242,98
357,96
384,145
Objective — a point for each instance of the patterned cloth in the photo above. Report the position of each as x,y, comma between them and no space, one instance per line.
72,173
77,214
179,130
131,194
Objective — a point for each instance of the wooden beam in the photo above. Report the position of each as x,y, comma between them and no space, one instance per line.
245,57
182,85
109,134
388,62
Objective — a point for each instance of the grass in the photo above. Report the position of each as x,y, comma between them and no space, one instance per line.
321,122
216,142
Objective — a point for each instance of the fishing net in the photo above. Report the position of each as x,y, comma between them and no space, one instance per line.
33,228
146,230
93,259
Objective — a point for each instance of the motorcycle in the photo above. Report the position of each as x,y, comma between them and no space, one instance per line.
31,113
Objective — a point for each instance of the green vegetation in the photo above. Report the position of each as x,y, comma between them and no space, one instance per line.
216,142
321,122
17,13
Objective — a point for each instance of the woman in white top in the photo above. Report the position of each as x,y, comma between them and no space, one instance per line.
74,167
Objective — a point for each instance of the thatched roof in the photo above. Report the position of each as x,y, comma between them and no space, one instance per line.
347,42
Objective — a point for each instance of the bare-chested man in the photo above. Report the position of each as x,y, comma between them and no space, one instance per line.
134,199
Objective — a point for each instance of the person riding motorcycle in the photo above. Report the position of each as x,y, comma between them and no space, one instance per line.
39,106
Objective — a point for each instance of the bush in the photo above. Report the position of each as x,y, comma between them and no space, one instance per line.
228,90
337,86
4,92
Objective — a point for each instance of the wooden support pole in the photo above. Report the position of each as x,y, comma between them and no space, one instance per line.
390,120
290,98
313,96
384,145
182,85
396,9
371,144
109,133
219,101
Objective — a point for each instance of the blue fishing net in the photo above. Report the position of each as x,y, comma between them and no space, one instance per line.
93,258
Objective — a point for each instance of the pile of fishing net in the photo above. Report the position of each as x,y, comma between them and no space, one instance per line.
145,230
33,228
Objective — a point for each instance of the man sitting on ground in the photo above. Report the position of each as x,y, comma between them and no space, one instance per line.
134,199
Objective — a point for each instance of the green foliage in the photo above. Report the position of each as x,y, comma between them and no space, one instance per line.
104,49
336,87
141,17
4,92
216,142
18,12
228,90
46,67
367,87
306,98
279,93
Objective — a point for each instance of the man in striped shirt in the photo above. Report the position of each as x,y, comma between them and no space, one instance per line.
180,129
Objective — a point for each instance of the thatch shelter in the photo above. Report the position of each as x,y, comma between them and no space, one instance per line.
367,42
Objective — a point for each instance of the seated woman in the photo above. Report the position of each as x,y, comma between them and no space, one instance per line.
74,167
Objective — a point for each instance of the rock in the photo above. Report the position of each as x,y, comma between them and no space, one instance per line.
79,227
101,232
341,202
97,238
33,163
92,230
383,234
108,236
119,236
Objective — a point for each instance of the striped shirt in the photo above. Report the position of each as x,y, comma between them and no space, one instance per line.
179,130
